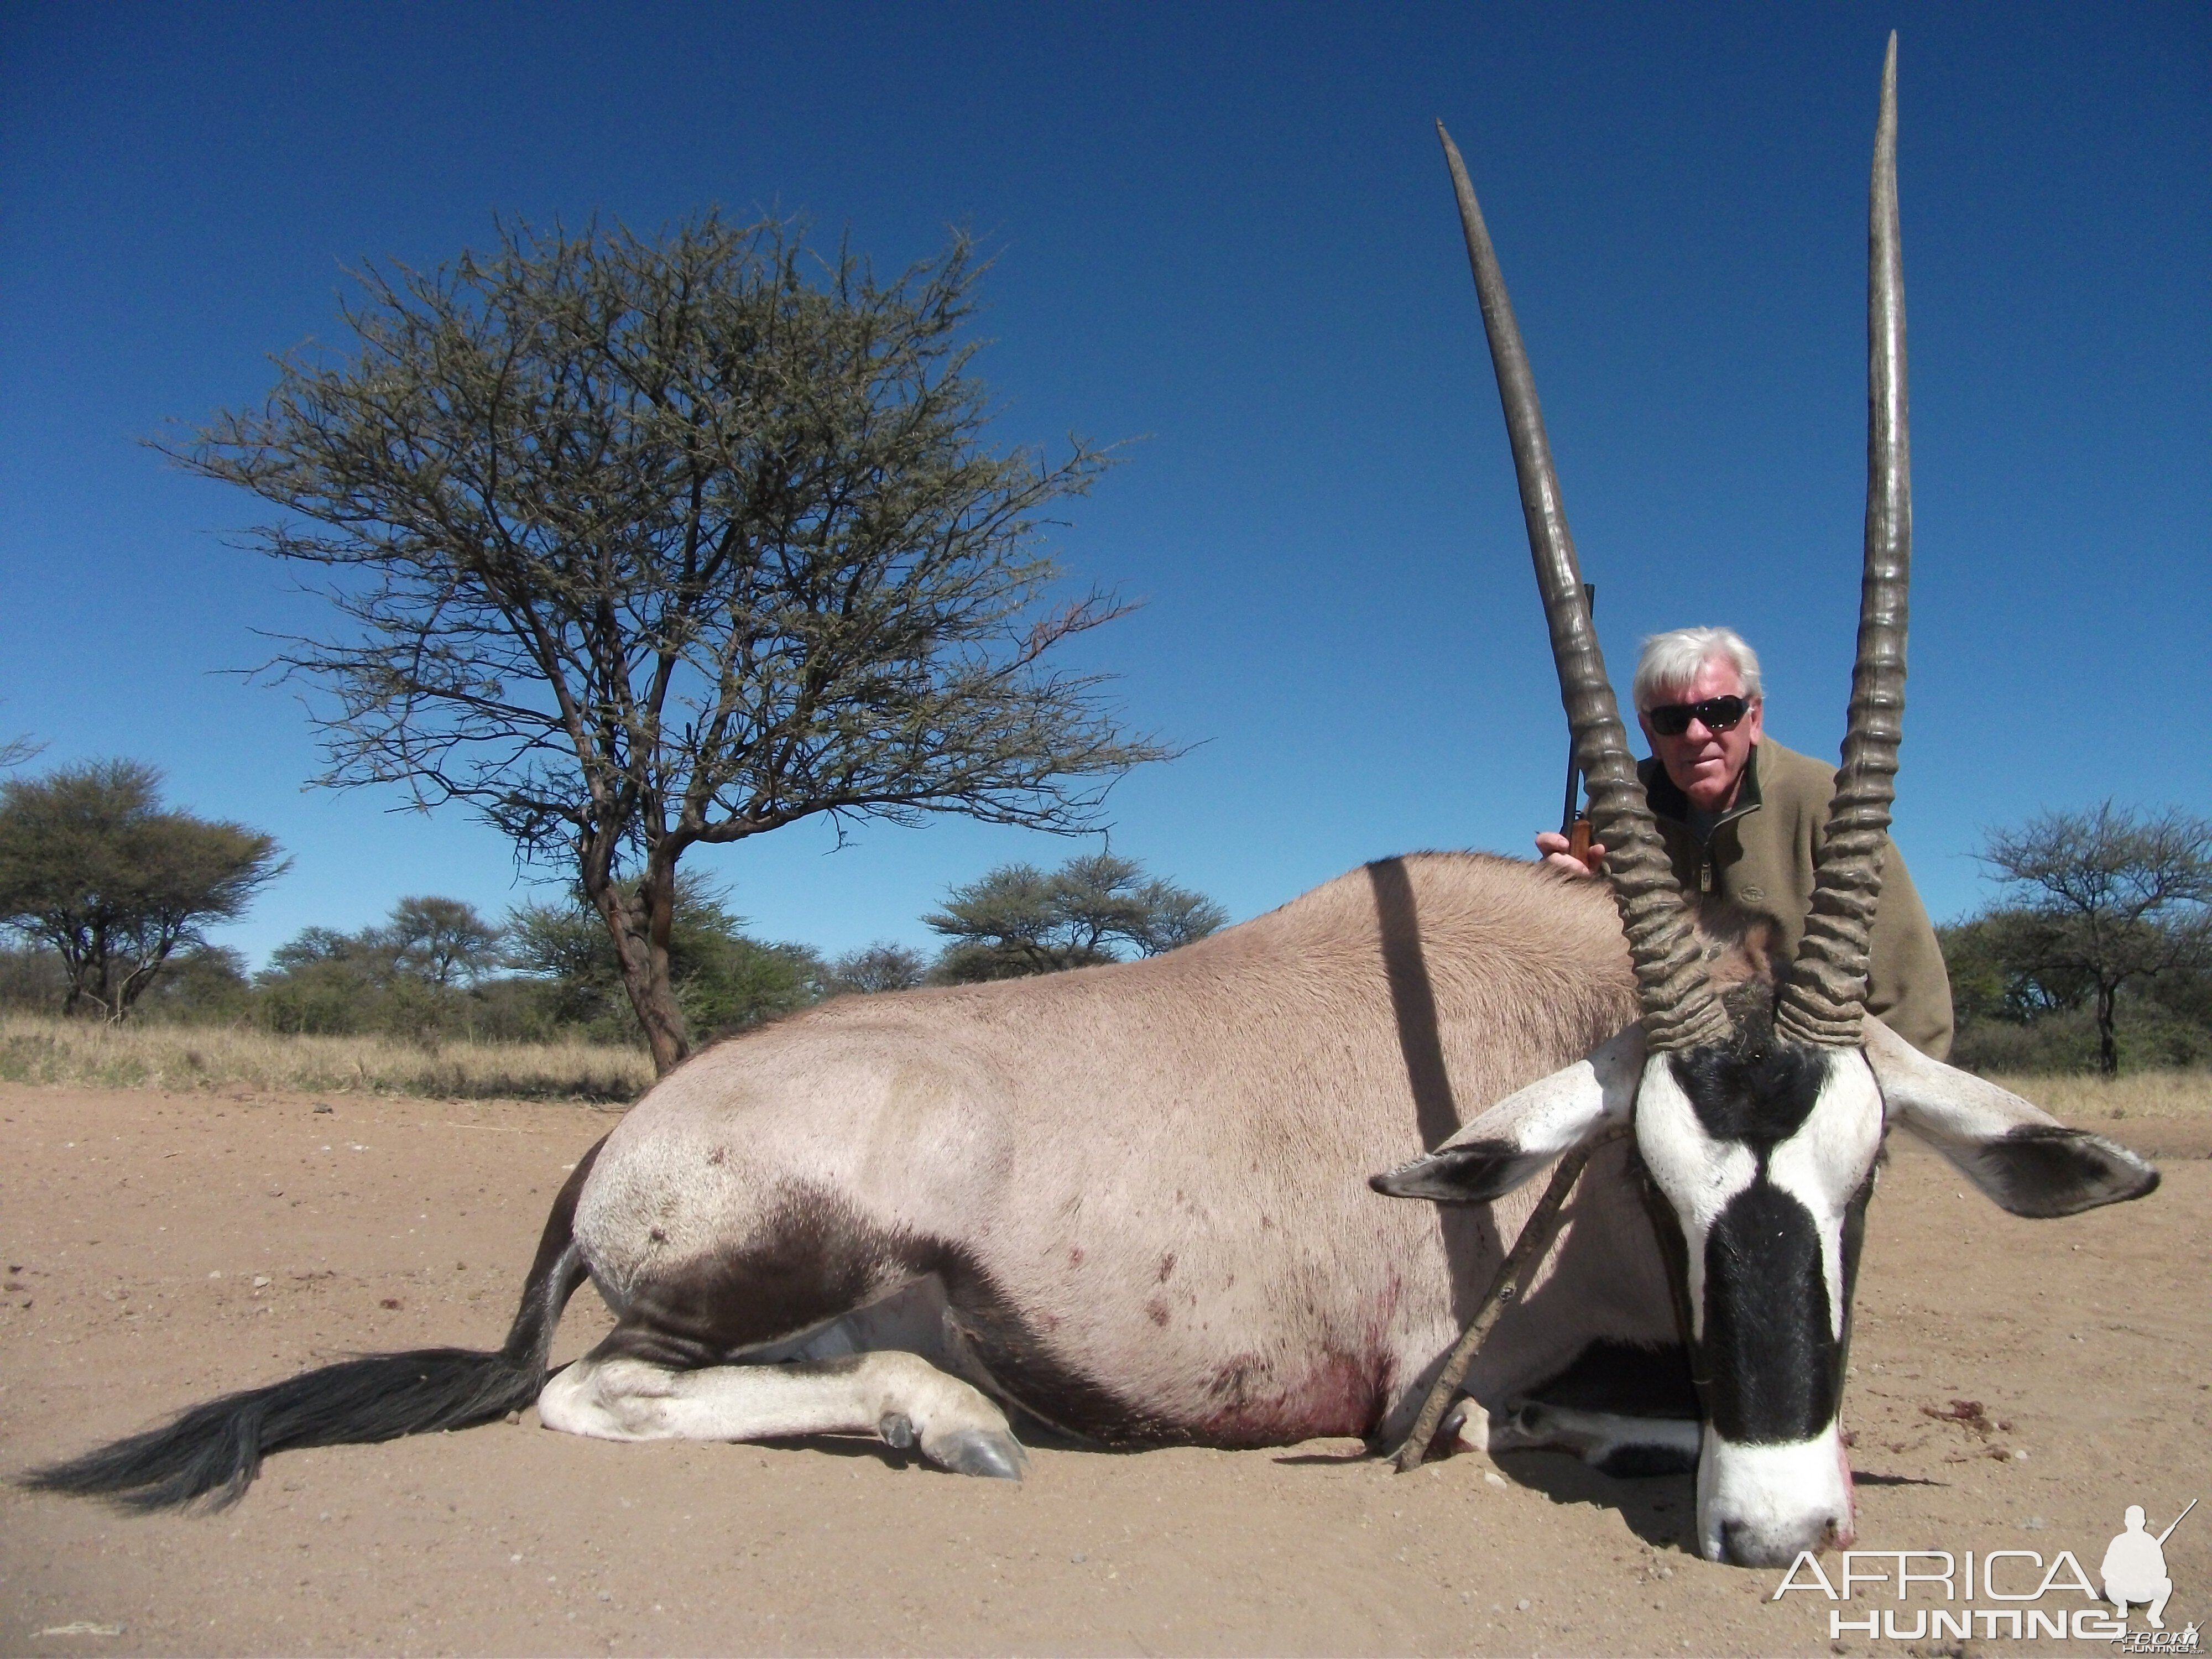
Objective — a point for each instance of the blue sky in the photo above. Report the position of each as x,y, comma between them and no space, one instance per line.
1224,231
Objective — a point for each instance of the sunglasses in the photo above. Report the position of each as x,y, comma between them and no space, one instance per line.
1671,720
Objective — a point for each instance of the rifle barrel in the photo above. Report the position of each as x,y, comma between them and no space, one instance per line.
2178,1520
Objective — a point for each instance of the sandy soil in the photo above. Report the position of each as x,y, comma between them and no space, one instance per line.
161,1249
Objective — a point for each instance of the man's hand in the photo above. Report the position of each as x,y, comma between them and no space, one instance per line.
1553,846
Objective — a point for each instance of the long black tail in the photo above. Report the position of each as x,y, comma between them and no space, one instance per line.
215,1450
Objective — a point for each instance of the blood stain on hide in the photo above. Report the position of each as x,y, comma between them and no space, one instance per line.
1167,1267
1157,1310
720,1155
1342,1395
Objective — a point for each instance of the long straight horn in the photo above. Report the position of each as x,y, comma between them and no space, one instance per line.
1679,1008
1824,1000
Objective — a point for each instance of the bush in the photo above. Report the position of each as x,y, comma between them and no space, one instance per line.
726,981
883,966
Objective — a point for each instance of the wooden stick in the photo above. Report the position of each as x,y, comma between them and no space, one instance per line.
1518,1268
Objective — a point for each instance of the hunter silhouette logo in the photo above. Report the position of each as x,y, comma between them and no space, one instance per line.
2133,1569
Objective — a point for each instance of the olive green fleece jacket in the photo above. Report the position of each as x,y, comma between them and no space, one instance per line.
1761,854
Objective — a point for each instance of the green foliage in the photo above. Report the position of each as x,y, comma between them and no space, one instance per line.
207,985
441,941
2000,969
422,976
33,980
725,980
2103,955
1018,921
883,966
93,867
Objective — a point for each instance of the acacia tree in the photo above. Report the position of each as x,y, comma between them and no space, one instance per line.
885,965
442,941
2107,897
643,544
1018,921
93,866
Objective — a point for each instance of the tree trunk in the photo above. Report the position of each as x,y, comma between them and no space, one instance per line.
87,981
640,920
2108,1049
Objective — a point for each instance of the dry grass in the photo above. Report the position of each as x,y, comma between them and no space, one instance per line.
41,1049
2082,1099
35,1048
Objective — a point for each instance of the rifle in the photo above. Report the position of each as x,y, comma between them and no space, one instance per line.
1575,825
2178,1520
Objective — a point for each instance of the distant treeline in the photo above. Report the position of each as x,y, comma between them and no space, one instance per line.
436,970
2097,953
2015,1016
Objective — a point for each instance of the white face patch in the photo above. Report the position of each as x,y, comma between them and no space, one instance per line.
1824,1164
1697,1173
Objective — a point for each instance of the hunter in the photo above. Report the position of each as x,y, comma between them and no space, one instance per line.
1743,818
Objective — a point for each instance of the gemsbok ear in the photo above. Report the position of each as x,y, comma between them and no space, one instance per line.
1528,1129
2016,1153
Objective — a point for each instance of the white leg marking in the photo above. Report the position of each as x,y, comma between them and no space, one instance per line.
1594,1437
900,1396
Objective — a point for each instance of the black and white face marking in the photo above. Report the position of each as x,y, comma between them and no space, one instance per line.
1762,1151
1762,1156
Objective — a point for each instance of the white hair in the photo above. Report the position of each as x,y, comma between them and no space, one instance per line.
1671,661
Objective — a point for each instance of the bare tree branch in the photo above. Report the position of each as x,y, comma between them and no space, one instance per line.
638,545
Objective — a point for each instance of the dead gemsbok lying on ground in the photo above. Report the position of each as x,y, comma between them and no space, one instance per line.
1134,1203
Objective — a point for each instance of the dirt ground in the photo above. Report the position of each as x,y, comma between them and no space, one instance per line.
163,1248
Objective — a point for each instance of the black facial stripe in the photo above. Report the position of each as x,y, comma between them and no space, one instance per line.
1754,1091
1771,1355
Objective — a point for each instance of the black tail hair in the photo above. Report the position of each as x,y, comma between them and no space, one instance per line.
215,1450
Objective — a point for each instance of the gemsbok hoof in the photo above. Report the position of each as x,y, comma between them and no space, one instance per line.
978,1451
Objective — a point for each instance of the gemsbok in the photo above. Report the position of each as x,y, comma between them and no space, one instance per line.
1133,1203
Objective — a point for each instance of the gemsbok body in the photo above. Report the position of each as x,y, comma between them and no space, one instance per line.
1133,1203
